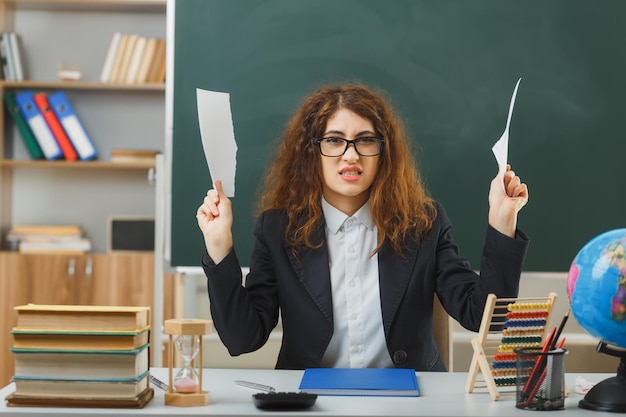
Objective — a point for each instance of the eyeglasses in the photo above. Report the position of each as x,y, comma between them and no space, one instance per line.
334,147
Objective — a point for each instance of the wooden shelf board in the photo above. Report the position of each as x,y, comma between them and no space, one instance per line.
75,164
82,85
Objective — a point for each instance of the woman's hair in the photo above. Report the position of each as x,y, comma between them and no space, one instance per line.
399,203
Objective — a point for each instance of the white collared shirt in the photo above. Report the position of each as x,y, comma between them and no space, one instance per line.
358,339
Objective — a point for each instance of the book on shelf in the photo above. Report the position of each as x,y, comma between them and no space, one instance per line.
33,116
74,129
135,60
360,381
59,388
157,70
25,231
80,339
134,155
126,58
109,60
84,365
117,60
82,317
146,60
22,126
66,246
55,127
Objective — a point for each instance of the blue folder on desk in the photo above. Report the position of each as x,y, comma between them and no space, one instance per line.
395,382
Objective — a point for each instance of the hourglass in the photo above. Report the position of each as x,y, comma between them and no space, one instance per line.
185,338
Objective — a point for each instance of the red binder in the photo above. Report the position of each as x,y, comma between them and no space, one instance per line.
55,126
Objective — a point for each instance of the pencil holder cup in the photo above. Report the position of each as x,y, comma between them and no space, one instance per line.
540,379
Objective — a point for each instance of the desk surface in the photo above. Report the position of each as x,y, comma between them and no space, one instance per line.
443,394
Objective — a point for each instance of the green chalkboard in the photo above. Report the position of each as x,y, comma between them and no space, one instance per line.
450,67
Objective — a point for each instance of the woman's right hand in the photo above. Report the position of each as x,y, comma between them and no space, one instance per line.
215,219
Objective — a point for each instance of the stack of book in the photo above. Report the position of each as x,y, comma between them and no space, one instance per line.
85,356
134,59
68,239
49,126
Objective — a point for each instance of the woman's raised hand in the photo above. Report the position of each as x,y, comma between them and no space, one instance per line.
215,219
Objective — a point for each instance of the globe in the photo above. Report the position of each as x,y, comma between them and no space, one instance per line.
596,288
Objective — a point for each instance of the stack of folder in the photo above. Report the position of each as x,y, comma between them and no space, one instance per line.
49,126
86,356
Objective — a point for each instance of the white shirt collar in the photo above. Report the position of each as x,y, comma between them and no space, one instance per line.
335,218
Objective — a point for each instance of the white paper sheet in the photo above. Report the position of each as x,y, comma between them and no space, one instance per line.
218,137
501,148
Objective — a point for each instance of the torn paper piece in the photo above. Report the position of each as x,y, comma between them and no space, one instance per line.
218,137
501,147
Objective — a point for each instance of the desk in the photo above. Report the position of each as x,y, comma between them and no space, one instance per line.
443,394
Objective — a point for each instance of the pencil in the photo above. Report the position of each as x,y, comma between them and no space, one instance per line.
555,339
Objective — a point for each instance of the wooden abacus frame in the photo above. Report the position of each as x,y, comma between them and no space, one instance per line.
496,340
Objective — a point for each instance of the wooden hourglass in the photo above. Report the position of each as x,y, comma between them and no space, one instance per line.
185,338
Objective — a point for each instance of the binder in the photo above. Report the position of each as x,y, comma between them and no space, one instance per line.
17,56
27,135
48,144
74,129
7,58
55,126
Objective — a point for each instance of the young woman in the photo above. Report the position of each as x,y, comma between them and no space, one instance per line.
349,247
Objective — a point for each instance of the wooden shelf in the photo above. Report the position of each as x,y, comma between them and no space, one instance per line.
76,164
122,5
82,85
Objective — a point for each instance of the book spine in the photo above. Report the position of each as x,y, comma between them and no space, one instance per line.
146,60
117,61
126,58
75,130
55,127
107,68
135,60
27,135
40,129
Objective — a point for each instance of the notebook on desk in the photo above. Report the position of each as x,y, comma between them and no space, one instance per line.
360,381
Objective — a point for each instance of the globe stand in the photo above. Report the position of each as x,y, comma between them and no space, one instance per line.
608,395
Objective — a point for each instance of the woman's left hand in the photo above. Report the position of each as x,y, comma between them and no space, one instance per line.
504,204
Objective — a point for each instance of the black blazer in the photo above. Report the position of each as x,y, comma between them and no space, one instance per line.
299,285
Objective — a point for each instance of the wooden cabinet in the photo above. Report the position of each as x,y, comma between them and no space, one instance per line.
92,279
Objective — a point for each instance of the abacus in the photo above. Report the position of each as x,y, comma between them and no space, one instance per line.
507,324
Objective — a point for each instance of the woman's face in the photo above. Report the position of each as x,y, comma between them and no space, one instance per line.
347,179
